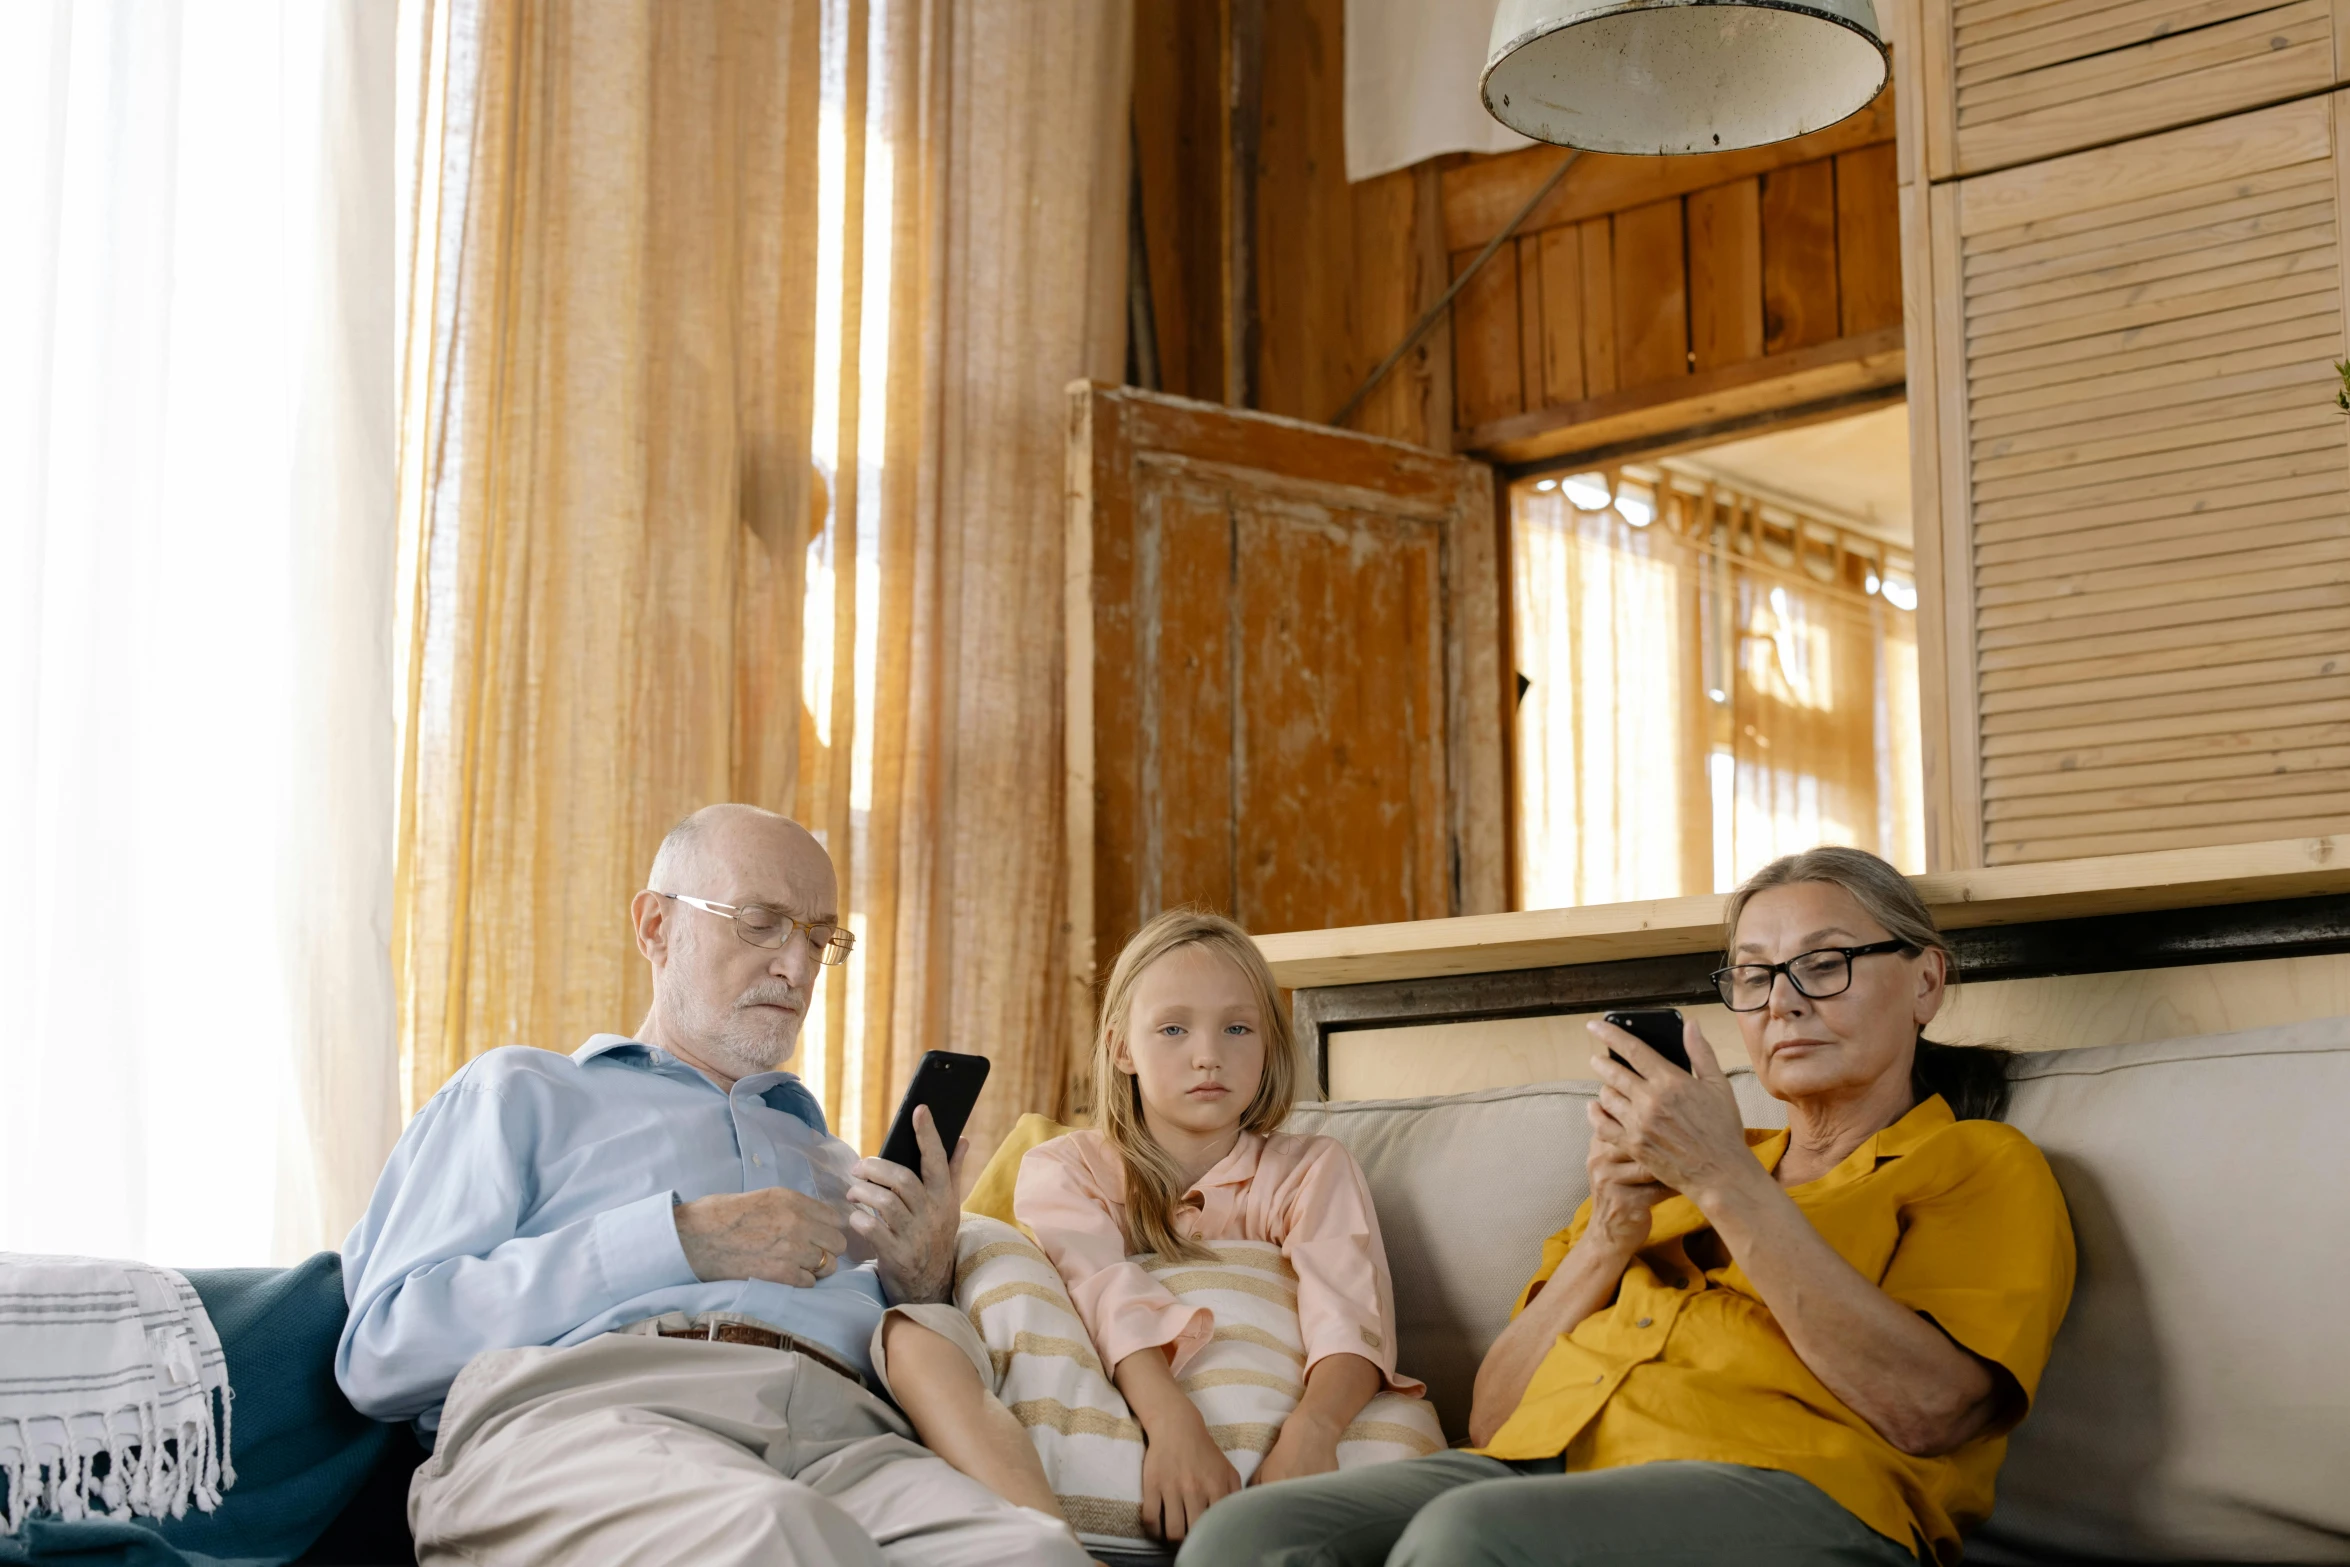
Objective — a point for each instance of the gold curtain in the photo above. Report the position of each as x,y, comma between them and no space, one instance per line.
731,469
1706,690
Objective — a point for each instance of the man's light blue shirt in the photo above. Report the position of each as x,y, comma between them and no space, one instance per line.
530,1202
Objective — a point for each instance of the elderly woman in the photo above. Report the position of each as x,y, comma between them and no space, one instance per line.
1806,1345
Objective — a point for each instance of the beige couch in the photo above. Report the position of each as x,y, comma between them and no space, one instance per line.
2198,1405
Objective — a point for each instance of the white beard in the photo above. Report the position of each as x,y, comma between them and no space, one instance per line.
739,1050
738,1039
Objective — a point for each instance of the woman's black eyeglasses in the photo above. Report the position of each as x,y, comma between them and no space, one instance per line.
1818,974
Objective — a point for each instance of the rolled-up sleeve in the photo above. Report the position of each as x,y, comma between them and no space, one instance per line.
1063,1204
1345,1296
1989,1259
436,1271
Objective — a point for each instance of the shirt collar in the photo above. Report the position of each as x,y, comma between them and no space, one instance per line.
1928,1116
1236,1168
779,1090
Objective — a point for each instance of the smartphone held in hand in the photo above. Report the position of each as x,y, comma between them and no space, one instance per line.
1658,1028
949,1084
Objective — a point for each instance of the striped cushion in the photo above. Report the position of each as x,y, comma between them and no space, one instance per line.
1245,1382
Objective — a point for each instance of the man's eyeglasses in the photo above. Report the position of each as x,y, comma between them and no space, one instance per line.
762,926
1818,974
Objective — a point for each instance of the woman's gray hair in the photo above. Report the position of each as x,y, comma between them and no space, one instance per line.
1972,1078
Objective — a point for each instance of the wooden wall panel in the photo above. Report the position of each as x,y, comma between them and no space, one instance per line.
2027,81
1186,554
1340,752
1800,284
2155,488
1868,241
1285,690
1178,142
1725,274
1488,373
1652,294
1594,236
1560,281
1744,279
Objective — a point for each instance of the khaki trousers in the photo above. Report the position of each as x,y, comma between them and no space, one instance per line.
631,1449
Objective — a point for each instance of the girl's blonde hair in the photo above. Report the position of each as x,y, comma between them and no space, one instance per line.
1153,1183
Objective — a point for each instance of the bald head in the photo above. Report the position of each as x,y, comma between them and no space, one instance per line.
719,1002
726,843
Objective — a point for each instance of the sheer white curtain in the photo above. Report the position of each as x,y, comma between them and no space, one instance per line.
1602,615
196,300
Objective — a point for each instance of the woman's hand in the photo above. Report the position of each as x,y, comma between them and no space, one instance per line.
1184,1473
1623,1195
1680,1128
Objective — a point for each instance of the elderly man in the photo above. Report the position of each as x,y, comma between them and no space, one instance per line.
632,1290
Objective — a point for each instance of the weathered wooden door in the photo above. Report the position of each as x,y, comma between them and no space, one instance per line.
1285,687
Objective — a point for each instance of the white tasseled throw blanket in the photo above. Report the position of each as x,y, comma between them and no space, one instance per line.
115,1358
1245,1382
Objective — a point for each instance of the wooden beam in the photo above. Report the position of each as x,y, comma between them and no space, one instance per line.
1244,80
1673,927
1666,411
2095,944
1480,197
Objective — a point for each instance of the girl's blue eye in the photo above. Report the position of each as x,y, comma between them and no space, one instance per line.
1170,1028
1237,1028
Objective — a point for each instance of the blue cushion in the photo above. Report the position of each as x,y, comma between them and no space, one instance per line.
301,1451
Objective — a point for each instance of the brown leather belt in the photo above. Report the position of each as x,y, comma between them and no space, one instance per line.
767,1338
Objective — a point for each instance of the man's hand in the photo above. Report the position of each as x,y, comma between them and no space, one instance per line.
908,1219
775,1233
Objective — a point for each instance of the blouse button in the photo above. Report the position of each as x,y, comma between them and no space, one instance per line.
1644,1322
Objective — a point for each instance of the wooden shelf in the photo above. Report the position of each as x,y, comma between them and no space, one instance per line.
1999,895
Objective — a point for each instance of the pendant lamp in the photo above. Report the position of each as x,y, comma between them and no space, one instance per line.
1651,76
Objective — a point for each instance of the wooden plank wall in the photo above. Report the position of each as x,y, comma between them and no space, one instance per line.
1646,297
2122,227
1342,270
1695,276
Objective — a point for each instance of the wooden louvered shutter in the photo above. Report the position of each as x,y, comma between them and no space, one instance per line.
2027,79
2156,486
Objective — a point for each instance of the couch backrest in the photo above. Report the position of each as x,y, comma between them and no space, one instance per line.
2198,1404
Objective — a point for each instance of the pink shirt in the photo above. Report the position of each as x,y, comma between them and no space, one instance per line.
1305,1195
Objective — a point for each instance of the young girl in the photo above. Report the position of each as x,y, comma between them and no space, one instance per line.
1184,1206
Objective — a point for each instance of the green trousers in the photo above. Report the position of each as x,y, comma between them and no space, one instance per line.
1463,1510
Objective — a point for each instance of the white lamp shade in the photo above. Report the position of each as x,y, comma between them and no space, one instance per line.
1650,76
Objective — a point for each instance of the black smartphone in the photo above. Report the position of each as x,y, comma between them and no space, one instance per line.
1659,1030
949,1084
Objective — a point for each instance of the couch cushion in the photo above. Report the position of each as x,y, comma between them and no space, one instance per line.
1468,1187
2198,1402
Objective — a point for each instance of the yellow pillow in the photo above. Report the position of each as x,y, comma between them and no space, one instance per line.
992,1195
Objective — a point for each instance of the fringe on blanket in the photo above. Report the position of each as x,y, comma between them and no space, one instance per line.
154,1467
114,1360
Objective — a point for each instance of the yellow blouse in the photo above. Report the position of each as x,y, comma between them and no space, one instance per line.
1959,1220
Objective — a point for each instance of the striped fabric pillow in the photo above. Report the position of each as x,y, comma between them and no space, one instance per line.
1244,1383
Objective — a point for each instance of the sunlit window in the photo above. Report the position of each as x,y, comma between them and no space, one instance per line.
1708,681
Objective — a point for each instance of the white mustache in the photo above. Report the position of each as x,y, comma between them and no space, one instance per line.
769,996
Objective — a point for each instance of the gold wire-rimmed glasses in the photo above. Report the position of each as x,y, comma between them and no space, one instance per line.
1816,975
767,927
